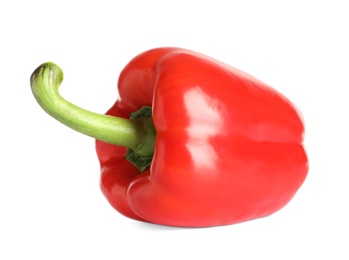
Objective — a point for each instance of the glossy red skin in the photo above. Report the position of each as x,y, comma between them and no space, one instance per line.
228,147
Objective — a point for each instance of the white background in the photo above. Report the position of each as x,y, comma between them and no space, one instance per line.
51,206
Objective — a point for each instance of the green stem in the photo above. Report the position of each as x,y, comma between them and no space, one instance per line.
137,135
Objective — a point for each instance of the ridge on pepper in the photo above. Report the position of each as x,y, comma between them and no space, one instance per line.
190,142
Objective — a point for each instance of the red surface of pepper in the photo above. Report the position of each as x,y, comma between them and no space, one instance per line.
228,147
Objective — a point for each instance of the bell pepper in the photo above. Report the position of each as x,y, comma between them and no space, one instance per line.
191,142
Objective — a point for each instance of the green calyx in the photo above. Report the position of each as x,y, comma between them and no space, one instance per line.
142,161
136,133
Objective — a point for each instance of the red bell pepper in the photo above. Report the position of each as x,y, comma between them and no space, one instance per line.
206,144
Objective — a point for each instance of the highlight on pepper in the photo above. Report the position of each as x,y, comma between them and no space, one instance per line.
190,141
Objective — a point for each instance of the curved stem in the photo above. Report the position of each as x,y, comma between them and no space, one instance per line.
45,81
